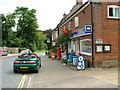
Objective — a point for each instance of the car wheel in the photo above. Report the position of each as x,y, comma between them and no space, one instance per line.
15,71
40,65
36,71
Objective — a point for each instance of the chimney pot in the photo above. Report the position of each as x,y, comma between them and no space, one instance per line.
78,2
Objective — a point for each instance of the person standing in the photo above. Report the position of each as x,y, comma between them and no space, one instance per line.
71,54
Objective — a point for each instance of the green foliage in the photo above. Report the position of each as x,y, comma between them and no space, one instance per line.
52,50
27,34
39,39
64,61
63,38
8,22
26,26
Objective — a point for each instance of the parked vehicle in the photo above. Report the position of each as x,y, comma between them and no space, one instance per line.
4,53
28,62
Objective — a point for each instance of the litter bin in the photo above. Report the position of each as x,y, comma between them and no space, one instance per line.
86,63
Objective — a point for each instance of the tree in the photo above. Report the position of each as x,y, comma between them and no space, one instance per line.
40,38
26,26
63,38
26,34
8,22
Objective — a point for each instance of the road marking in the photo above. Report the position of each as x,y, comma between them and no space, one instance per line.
28,86
21,84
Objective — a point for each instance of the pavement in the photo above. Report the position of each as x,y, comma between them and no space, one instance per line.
107,74
8,55
64,76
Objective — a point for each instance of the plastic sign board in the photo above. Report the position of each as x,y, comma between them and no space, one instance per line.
80,64
88,28
75,58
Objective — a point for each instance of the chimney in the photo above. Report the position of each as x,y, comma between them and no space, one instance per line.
64,15
78,2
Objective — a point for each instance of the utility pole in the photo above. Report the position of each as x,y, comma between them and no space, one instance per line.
92,22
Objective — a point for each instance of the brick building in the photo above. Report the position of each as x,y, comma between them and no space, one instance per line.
95,31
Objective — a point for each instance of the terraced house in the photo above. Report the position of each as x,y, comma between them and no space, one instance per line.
95,30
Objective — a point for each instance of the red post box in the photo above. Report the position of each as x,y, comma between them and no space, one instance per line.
58,52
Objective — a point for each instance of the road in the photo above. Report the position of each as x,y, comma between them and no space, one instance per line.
53,74
9,78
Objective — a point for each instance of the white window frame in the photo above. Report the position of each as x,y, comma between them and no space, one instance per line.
72,44
52,37
56,34
69,26
89,54
76,21
64,27
114,6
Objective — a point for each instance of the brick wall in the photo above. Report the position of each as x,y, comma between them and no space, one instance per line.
107,30
11,49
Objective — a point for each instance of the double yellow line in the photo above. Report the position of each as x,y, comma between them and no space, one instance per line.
21,84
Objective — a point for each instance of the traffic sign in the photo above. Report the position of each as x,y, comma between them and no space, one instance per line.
88,28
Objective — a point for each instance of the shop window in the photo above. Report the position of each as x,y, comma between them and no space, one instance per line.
86,46
113,11
76,21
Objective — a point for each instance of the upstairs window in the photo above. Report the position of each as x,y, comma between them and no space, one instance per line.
113,11
76,21
56,34
69,25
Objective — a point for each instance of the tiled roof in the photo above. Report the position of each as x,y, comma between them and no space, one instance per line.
74,9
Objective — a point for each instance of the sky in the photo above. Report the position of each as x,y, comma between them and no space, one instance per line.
48,12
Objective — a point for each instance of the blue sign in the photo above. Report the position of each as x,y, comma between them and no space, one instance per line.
88,28
80,64
82,31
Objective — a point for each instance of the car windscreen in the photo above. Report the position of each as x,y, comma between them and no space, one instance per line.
29,56
24,52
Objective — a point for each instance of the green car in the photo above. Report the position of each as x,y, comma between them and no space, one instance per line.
28,62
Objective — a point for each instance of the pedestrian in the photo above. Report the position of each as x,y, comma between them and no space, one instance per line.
71,54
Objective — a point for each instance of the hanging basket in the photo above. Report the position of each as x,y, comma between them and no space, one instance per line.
66,31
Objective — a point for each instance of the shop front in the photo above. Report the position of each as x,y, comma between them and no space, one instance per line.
81,44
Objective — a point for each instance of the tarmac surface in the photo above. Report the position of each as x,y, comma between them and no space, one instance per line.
53,74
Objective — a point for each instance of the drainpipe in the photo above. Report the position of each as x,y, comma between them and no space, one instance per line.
92,22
